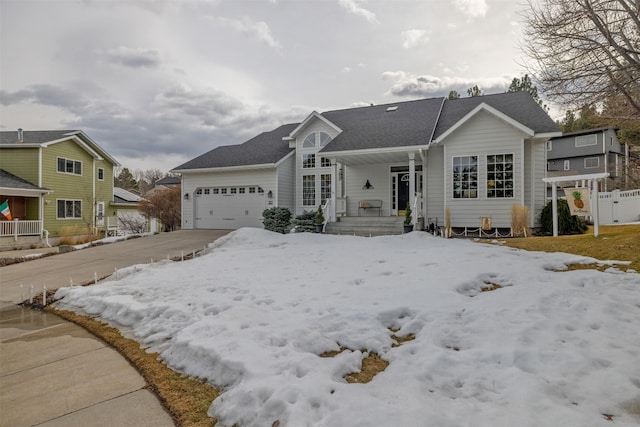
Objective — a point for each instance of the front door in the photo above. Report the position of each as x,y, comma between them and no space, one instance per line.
400,191
403,192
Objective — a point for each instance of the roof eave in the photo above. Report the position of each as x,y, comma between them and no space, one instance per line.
485,107
226,168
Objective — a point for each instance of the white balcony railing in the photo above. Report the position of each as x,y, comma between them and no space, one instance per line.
17,228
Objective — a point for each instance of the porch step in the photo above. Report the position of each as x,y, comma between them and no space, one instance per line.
366,225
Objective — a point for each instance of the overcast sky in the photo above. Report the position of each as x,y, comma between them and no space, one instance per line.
157,83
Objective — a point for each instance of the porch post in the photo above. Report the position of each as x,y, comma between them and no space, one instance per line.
594,207
554,207
412,185
334,183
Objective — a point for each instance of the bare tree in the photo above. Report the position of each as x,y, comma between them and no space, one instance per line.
584,51
164,205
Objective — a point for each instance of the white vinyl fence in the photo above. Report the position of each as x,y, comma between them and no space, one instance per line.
619,207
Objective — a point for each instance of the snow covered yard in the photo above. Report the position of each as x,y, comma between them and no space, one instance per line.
545,348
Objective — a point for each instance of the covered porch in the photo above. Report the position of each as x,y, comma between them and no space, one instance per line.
26,207
375,187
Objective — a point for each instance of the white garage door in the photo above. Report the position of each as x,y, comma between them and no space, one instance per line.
228,208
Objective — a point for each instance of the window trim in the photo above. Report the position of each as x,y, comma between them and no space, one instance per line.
549,145
306,201
513,176
566,165
100,172
477,178
591,158
65,201
583,137
75,164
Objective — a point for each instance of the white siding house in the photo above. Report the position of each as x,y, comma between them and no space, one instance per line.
475,157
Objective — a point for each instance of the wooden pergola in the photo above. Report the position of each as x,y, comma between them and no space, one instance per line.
592,183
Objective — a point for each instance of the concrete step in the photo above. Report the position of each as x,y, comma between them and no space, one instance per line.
366,226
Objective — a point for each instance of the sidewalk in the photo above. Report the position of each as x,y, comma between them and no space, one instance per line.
54,373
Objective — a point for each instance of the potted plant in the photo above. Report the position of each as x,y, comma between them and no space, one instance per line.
408,223
319,220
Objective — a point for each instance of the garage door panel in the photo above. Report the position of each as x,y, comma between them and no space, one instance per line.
229,211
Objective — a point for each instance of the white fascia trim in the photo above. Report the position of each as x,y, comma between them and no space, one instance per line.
548,135
78,141
279,162
305,122
374,151
20,145
226,169
97,146
485,107
9,191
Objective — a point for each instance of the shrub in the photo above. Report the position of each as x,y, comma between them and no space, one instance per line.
319,215
277,219
305,222
567,223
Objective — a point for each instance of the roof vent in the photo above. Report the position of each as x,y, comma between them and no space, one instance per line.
20,135
394,108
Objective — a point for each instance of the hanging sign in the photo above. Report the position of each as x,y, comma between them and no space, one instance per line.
578,200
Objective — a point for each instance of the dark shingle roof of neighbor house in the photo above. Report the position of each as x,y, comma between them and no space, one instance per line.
266,148
9,180
169,180
517,105
400,124
585,131
34,136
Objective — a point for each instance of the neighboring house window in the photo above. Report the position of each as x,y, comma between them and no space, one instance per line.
206,191
69,166
567,165
325,187
586,140
591,162
500,176
549,145
308,161
100,174
309,190
252,190
309,141
325,163
465,177
234,190
216,191
241,190
223,191
69,209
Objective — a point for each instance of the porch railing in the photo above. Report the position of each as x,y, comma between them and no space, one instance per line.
17,228
107,222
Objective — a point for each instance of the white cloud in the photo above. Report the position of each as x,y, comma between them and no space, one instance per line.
132,57
406,84
346,70
413,38
472,8
354,6
257,30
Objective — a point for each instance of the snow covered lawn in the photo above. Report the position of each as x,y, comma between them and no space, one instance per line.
546,348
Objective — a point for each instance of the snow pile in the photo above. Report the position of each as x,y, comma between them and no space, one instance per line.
544,348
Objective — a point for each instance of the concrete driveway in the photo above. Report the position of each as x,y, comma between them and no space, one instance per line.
54,373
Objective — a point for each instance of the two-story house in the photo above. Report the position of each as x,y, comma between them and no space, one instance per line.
587,151
57,183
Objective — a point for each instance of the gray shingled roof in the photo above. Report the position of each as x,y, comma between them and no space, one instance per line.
517,105
34,136
409,123
169,180
585,131
266,148
9,180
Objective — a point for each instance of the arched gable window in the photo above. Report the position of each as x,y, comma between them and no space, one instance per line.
325,138
309,141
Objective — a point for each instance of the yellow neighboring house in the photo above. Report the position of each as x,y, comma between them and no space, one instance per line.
58,184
